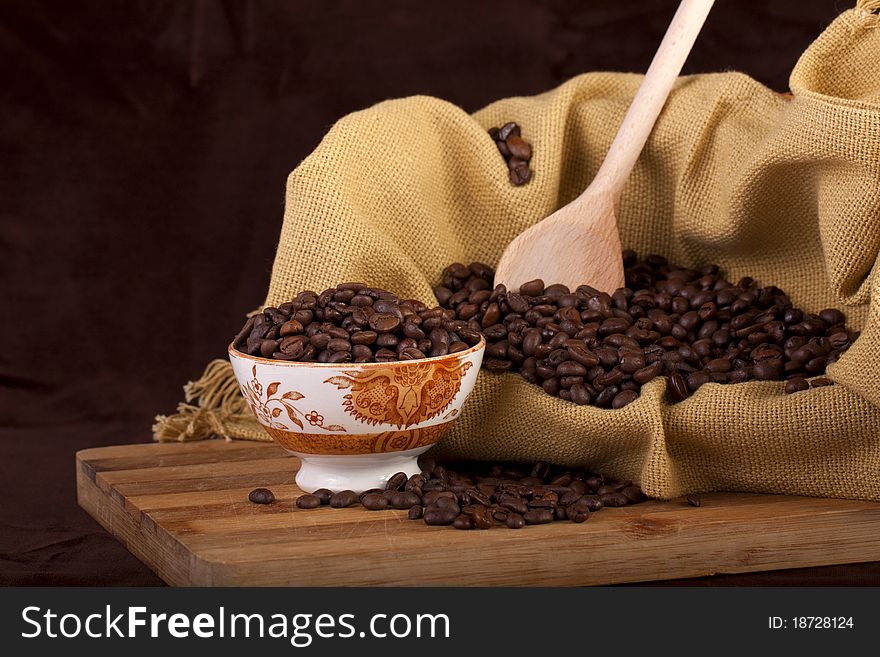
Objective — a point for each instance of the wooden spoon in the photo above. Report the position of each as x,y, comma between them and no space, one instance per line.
579,243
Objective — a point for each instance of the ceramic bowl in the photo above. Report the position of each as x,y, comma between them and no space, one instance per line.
355,425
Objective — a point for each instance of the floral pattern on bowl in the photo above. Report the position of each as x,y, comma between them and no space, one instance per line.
354,425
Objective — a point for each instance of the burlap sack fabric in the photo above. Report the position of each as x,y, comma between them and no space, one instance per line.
786,189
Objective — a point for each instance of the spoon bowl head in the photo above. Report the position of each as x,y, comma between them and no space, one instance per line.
576,245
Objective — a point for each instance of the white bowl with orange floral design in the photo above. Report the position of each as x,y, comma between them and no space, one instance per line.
355,425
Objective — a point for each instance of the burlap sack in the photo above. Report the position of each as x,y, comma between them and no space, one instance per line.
786,189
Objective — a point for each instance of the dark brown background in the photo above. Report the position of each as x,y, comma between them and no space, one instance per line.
143,153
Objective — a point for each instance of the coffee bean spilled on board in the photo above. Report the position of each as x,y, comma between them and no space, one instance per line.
482,496
515,150
691,325
261,496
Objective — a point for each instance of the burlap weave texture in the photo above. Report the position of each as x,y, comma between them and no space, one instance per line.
782,188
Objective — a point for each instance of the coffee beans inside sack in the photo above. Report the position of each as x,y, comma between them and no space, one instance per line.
691,325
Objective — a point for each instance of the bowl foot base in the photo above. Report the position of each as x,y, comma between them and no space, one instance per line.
356,472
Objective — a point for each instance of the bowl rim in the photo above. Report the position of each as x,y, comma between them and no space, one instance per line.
231,350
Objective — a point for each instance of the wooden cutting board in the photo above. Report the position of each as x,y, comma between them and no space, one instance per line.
182,508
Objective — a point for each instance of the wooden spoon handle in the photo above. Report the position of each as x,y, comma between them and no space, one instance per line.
651,96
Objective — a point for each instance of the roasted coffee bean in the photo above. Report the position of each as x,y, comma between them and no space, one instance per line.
323,494
719,365
308,502
415,512
765,370
337,357
694,500
678,390
292,327
365,493
436,515
832,316
412,331
396,481
243,334
404,499
613,377
796,384
571,368
415,482
384,322
623,398
515,521
592,502
606,396
320,341
577,513
482,517
361,353
343,499
365,338
457,346
430,498
261,496
614,499
374,501
821,382
580,395
544,500
538,516
519,148
499,514
580,354
268,347
520,173
632,362
648,372
513,503
463,522
447,503
533,288
478,497
339,345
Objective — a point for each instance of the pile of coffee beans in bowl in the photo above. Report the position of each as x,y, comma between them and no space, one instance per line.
691,325
353,323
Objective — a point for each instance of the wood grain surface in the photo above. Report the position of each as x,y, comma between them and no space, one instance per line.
182,508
